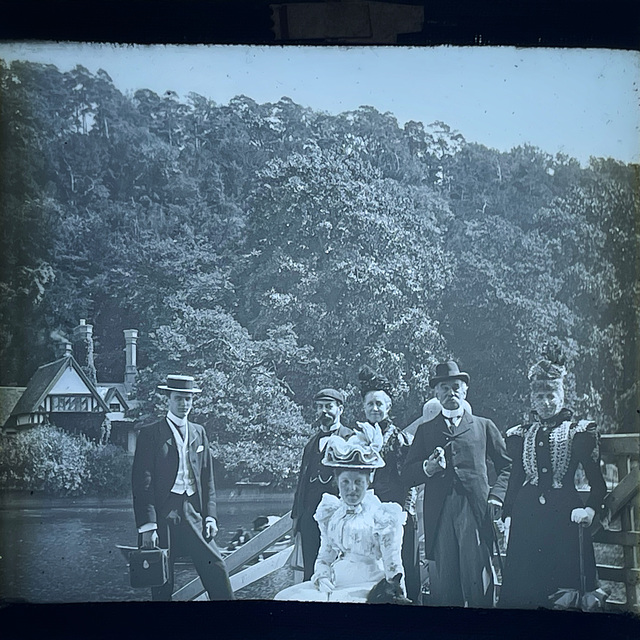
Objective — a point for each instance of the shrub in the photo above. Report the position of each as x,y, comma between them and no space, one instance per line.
109,471
51,461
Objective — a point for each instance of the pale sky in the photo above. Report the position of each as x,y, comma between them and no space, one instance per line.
582,102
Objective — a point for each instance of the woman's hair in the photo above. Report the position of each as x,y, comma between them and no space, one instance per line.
364,395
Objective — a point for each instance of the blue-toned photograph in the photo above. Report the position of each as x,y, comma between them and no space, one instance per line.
320,324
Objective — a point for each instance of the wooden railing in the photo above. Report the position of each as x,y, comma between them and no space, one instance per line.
622,452
241,577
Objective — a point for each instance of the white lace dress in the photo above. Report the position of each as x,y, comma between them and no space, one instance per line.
359,546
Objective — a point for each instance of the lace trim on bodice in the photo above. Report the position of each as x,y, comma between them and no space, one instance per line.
560,440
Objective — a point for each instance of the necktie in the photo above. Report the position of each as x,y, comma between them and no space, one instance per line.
180,428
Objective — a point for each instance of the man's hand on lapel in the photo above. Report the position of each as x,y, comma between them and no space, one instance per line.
210,528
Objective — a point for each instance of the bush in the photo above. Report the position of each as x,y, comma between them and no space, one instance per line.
109,471
49,460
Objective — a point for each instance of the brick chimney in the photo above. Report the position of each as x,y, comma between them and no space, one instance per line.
131,367
83,348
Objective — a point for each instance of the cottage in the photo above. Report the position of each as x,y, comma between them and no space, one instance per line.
65,393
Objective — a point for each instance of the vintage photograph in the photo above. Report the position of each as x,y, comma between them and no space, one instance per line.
320,324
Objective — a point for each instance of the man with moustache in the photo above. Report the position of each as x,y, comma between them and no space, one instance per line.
316,479
174,498
449,455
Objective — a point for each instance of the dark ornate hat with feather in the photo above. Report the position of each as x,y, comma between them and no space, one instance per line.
372,381
548,373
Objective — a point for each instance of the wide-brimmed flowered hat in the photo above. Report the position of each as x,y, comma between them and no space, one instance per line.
360,452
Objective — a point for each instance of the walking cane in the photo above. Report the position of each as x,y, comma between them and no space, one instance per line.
500,565
497,547
583,578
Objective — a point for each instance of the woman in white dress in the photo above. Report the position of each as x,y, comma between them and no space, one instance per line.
361,537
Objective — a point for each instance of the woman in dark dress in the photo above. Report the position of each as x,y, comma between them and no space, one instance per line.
376,399
542,500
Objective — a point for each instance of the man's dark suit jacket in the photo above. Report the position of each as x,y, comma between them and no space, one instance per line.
466,463
155,466
308,494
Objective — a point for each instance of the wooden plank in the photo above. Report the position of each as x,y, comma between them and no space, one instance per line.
630,577
261,569
620,444
190,591
626,490
241,556
257,545
624,538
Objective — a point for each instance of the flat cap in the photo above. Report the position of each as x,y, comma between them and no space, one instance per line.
330,394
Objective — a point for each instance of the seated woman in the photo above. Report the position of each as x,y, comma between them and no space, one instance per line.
361,537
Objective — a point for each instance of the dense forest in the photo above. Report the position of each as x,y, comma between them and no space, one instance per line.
271,249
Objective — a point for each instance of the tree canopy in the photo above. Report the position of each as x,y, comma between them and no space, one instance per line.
271,250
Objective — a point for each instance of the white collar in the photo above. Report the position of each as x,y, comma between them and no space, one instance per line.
455,413
334,428
180,422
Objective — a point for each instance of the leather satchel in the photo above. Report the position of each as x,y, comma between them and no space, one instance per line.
149,567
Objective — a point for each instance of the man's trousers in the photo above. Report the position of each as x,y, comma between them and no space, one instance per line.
310,539
461,574
182,534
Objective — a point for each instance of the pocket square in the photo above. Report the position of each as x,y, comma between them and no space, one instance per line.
200,448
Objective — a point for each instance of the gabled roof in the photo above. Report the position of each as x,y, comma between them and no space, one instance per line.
44,379
107,391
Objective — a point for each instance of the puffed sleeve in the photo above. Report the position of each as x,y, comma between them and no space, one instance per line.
389,520
587,448
328,551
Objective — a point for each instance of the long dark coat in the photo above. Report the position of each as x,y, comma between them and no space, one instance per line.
155,466
543,551
467,455
314,480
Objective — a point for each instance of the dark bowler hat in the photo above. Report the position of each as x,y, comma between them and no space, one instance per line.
330,394
180,383
447,371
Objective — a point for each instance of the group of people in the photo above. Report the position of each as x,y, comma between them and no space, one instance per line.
354,510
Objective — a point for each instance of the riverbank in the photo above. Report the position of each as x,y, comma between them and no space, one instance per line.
11,500
64,549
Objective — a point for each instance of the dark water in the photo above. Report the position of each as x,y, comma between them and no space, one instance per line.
69,555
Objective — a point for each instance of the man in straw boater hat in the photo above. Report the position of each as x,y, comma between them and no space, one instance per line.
449,455
174,497
314,478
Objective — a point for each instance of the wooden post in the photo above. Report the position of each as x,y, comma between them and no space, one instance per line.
627,524
624,451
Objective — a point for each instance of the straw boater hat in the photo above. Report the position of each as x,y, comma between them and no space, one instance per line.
360,452
186,384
